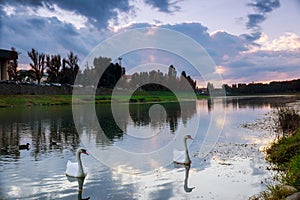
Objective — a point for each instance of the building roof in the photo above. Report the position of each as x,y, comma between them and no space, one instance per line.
8,55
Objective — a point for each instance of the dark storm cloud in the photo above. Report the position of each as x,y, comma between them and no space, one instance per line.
46,35
265,6
97,12
194,30
22,26
254,20
261,8
164,5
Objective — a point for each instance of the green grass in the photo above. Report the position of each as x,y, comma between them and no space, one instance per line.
33,100
293,171
285,154
284,149
49,100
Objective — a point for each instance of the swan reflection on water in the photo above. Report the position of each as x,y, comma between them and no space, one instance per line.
186,187
80,181
186,178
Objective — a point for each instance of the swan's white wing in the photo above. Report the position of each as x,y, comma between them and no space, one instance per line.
85,170
178,156
72,169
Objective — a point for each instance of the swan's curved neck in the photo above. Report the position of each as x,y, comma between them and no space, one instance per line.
80,168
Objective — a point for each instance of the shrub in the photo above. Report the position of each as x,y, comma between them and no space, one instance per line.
288,120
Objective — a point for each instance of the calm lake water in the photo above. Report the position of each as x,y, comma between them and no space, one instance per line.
227,163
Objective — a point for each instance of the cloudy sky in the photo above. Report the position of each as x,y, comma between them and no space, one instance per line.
250,40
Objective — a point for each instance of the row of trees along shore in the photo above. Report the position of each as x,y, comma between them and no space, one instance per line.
66,70
263,88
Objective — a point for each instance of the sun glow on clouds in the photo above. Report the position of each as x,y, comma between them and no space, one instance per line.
287,42
220,69
9,10
142,13
65,16
122,21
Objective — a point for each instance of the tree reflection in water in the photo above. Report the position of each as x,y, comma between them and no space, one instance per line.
42,128
140,113
52,128
46,128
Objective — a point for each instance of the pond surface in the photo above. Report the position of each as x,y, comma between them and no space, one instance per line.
229,165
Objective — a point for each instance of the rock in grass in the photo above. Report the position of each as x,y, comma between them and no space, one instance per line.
295,196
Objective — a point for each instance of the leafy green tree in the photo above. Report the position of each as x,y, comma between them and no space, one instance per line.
210,87
172,72
110,73
101,63
88,76
191,82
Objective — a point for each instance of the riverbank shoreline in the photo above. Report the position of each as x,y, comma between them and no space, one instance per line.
19,100
284,155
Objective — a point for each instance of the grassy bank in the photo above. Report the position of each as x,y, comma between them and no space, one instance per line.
32,100
284,154
48,100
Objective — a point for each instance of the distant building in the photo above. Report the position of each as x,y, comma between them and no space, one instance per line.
5,57
201,91
127,78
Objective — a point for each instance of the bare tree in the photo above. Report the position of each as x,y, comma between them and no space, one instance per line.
53,65
38,64
70,72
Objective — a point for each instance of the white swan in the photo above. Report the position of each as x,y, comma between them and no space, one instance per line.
75,169
177,154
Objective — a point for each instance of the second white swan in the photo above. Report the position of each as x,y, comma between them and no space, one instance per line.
75,169
187,160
